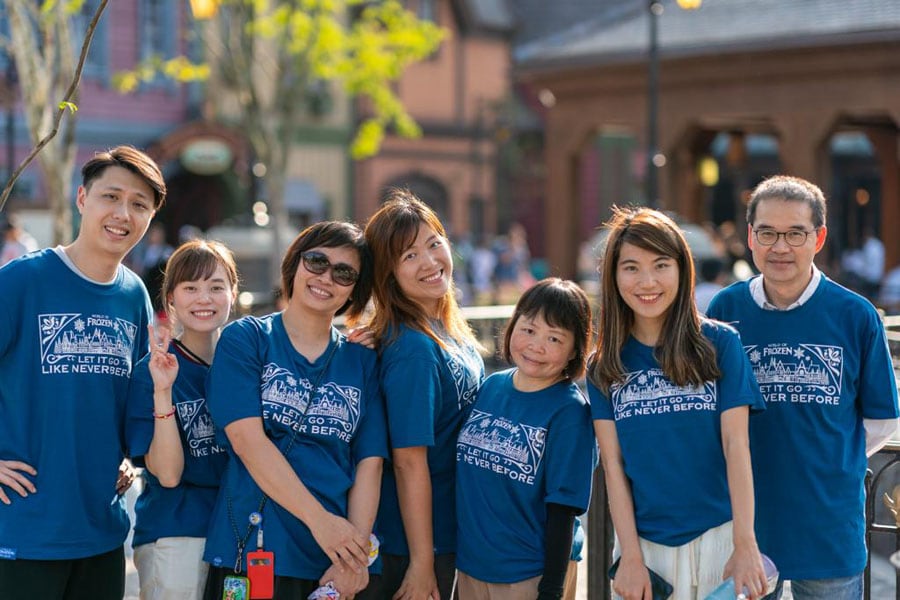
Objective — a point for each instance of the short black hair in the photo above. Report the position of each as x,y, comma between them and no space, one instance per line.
561,303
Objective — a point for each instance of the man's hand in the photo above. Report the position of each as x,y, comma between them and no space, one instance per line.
12,475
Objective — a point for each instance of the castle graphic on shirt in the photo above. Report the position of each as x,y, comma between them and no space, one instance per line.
198,427
464,370
334,410
799,373
650,392
502,446
91,344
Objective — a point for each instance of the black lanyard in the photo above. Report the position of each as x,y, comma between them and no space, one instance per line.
242,542
187,352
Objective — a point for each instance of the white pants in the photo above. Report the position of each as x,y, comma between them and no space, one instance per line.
694,569
171,568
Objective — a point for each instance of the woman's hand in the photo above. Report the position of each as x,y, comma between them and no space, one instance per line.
362,336
345,546
632,581
418,584
346,581
746,567
163,365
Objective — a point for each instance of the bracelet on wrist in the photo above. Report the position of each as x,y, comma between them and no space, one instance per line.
157,415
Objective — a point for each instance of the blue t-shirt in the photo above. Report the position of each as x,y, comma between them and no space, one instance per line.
181,511
822,367
671,437
428,392
67,347
258,373
517,452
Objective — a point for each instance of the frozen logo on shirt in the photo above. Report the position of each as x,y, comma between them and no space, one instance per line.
464,369
333,412
800,374
499,445
650,392
92,344
198,428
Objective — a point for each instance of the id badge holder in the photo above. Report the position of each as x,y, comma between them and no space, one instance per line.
260,565
261,573
236,587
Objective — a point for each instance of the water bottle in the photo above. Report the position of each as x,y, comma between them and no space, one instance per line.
726,590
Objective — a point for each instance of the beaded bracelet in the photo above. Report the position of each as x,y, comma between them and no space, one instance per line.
164,416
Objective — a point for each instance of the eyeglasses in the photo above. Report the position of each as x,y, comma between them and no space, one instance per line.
317,263
794,237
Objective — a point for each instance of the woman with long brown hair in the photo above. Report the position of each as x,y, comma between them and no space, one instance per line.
671,394
430,373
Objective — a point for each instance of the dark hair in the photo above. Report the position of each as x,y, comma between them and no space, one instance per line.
683,352
710,268
790,189
132,159
196,260
331,234
561,304
389,233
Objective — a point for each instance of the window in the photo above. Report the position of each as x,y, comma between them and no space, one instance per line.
156,31
97,64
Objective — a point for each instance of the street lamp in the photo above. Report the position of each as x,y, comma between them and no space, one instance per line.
655,158
204,9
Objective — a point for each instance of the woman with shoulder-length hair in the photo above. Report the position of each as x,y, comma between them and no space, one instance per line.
430,373
304,422
671,393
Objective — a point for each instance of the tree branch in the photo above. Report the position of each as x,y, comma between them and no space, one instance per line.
63,106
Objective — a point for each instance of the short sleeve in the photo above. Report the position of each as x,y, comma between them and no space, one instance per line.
371,438
877,393
737,385
411,387
233,384
600,406
570,457
139,424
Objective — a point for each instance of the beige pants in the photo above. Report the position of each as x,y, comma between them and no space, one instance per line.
470,588
694,569
571,585
171,568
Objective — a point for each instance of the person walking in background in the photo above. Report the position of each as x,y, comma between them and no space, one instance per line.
711,278
671,394
73,322
16,241
821,357
430,373
525,456
304,424
169,430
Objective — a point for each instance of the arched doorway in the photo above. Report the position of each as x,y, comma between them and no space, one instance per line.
427,189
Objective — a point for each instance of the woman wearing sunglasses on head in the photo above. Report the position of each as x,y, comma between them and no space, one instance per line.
304,423
430,374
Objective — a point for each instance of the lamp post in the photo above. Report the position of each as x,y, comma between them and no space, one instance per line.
655,158
204,9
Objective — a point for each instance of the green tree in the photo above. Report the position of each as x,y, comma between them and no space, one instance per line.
41,42
271,57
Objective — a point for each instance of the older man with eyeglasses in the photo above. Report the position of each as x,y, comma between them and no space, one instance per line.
822,362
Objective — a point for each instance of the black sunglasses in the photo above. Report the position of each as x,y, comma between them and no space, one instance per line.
341,273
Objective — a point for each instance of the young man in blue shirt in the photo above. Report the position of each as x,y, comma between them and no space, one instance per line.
72,324
820,356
